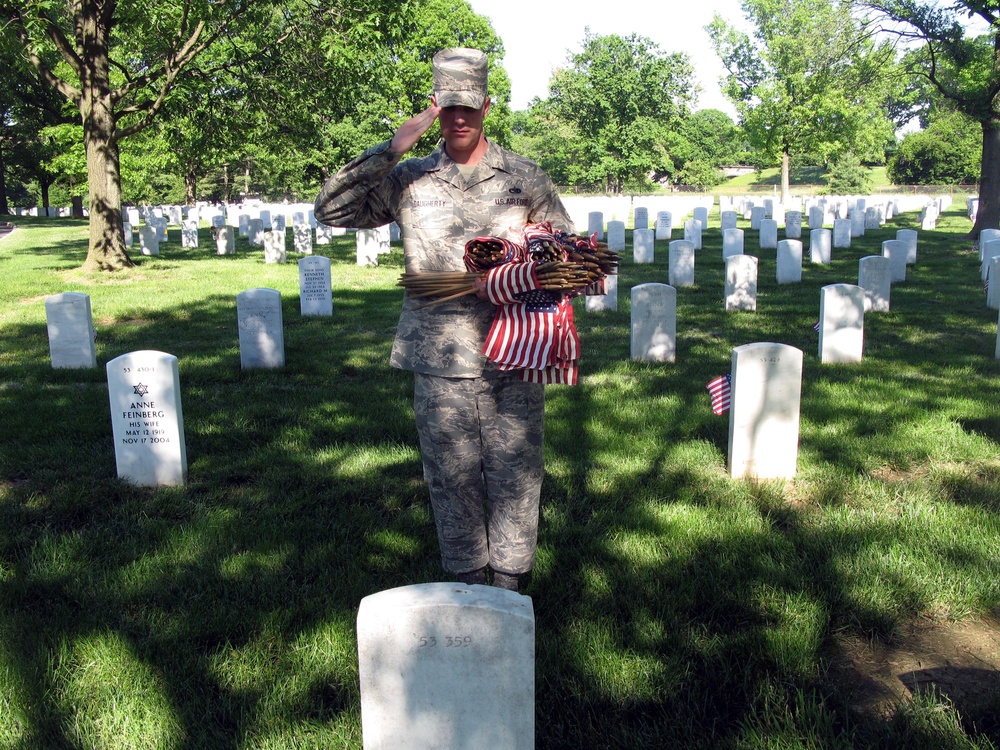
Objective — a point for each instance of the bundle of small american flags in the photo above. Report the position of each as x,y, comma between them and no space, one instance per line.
531,280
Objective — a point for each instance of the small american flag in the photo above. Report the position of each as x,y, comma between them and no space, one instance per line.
816,326
719,389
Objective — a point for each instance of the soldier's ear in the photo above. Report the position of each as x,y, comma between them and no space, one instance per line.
486,106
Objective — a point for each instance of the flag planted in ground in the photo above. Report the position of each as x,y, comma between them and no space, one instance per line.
719,389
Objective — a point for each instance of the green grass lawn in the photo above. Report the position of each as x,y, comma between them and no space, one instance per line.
674,607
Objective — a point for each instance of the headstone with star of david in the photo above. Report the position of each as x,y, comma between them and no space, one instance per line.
146,419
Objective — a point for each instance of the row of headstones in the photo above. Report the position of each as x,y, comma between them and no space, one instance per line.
292,213
70,326
370,242
819,210
874,276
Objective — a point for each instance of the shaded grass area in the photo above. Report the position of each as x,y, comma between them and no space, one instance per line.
674,607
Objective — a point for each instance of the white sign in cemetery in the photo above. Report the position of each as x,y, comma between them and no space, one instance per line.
764,412
70,327
146,419
447,666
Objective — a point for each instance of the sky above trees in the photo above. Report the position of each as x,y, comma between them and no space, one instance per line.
538,36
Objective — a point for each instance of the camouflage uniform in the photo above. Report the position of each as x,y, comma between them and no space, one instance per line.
480,429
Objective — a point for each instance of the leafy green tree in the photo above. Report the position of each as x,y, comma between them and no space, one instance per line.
964,67
809,80
120,63
623,95
947,152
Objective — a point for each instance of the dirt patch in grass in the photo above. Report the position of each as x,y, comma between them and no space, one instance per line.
959,661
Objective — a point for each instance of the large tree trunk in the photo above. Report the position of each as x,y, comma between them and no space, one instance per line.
190,187
106,251
988,216
786,190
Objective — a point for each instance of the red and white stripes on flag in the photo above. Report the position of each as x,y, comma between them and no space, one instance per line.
719,389
533,328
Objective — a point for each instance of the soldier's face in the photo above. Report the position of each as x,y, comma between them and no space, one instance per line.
462,127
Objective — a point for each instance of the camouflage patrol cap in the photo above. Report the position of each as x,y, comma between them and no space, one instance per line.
460,77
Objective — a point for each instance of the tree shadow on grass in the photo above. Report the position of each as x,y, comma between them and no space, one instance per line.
674,607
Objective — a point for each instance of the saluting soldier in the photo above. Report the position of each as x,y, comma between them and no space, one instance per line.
480,428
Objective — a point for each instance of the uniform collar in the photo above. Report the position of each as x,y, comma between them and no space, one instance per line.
491,162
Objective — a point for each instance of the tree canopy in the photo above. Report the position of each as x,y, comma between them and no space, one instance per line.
622,96
963,66
810,79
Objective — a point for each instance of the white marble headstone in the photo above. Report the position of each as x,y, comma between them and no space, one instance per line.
757,215
369,245
895,251
816,216
654,322
680,263
875,277
129,233
447,666
261,331
640,218
664,225
842,233
302,238
701,216
985,235
146,419
841,323
189,233
768,237
909,236
741,282
274,246
993,289
732,242
642,245
692,233
764,411
148,240
793,225
70,327
616,235
819,246
315,294
225,240
595,223
789,262
256,233
728,220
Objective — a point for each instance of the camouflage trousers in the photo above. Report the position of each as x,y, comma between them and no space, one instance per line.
481,443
